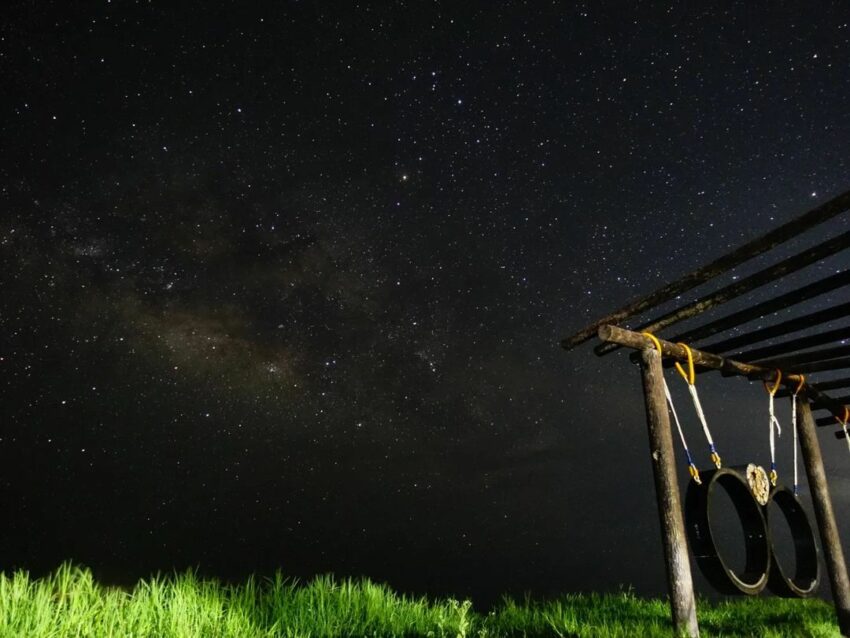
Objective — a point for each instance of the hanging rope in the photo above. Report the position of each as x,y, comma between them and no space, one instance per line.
773,423
692,468
690,378
794,426
844,425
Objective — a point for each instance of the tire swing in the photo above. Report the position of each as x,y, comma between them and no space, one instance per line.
751,490
753,578
804,581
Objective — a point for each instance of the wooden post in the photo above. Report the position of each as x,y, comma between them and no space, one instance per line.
679,581
833,554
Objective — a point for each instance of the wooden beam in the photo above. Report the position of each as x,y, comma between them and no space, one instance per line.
796,324
824,366
636,340
730,367
750,313
793,360
736,289
679,579
777,236
830,540
845,400
792,345
832,384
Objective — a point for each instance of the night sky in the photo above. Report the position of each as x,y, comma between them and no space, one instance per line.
283,283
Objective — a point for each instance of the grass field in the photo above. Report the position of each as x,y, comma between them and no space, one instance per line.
70,603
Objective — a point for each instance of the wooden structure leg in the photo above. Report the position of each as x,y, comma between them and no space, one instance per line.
679,580
833,554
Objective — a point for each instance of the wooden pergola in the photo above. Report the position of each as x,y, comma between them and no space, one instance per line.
723,342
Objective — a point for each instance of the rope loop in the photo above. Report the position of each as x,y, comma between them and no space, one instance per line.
688,376
800,385
655,340
772,389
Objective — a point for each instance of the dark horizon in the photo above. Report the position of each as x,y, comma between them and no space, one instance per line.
283,286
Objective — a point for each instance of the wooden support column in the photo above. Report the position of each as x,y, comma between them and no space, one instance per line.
833,554
679,581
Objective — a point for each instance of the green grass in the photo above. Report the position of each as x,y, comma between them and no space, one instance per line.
69,602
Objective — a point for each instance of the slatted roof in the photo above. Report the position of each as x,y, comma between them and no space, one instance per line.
768,303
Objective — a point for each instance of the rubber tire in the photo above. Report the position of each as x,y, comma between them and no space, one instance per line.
804,583
754,577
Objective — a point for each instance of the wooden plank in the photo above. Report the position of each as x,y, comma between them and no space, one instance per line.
775,237
765,308
792,345
679,579
796,324
842,399
832,384
636,340
729,367
736,289
830,540
823,366
791,361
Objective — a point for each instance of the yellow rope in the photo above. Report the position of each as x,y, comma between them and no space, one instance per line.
800,385
692,469
775,384
688,376
654,340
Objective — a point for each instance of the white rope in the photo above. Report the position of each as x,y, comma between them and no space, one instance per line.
675,416
794,432
691,467
698,406
773,423
701,415
846,436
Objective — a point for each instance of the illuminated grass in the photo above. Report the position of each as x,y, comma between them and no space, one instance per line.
70,603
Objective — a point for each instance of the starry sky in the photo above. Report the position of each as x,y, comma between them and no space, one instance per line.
283,283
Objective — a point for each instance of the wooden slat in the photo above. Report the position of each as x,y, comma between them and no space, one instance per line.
782,302
823,366
793,361
775,237
734,290
777,330
832,384
792,345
